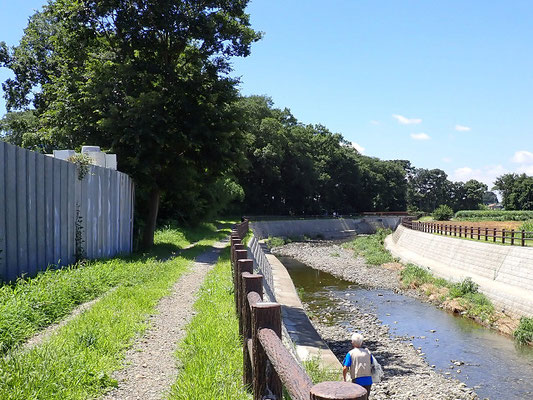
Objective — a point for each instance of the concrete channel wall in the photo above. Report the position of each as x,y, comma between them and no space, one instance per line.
298,331
334,228
503,273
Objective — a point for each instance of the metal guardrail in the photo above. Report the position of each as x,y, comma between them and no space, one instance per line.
503,236
268,366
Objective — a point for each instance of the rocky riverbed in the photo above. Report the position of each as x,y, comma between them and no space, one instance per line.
407,374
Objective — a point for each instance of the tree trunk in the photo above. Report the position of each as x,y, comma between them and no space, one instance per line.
151,219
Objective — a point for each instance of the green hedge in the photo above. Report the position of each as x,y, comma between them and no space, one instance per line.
494,215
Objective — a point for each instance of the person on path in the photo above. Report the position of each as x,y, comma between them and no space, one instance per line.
359,362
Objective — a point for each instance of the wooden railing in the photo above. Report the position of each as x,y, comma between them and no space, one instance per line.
268,366
495,235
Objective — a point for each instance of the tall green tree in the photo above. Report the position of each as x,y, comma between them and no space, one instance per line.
147,79
516,191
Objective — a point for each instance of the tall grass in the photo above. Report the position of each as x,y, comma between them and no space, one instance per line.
524,332
211,353
77,362
29,305
371,247
476,304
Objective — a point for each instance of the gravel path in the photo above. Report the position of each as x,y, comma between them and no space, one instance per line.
150,365
407,374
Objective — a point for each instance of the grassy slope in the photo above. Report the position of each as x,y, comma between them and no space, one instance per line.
77,362
211,353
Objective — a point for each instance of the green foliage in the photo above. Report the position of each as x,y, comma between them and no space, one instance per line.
211,353
296,169
528,227
428,189
465,287
371,247
516,191
524,333
489,198
275,241
21,129
83,164
443,213
78,361
130,78
414,276
494,215
317,372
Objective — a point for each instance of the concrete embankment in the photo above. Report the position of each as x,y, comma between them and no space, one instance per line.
503,273
325,228
298,331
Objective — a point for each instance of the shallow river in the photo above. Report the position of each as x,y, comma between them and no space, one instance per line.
494,365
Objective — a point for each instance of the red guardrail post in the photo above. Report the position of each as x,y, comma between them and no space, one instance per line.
265,315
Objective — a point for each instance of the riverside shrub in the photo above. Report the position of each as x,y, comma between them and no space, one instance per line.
443,213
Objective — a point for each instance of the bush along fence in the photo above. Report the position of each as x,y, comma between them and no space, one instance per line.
268,366
494,235
54,212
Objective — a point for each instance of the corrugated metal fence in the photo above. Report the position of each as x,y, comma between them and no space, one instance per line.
47,214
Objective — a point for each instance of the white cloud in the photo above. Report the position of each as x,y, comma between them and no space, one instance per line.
523,157
525,169
406,121
358,147
447,159
462,128
420,136
486,174
374,122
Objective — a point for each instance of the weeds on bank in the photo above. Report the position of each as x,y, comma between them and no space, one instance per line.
524,332
29,305
371,247
211,353
475,304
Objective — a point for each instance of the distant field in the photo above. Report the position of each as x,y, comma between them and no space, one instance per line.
488,224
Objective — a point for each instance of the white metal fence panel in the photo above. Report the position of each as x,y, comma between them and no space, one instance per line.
43,205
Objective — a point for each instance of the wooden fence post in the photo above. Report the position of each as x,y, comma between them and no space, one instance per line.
478,233
250,283
512,237
471,232
494,235
523,238
240,254
243,265
266,380
337,391
503,235
233,241
486,234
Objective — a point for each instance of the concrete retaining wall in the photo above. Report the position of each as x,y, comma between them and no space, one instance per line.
324,228
297,328
504,273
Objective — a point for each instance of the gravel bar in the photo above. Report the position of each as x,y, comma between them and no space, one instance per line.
407,374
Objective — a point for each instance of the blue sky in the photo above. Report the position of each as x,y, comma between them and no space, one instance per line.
444,84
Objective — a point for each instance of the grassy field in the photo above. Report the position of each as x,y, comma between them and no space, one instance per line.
211,353
77,362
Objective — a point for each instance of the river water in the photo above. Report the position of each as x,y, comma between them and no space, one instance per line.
494,365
